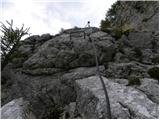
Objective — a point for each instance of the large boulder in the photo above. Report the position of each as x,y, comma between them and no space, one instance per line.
140,39
43,88
125,102
137,15
123,70
66,53
137,46
151,88
17,109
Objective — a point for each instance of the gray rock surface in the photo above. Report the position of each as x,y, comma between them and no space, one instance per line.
16,109
151,88
126,102
37,86
140,16
63,52
71,108
123,70
60,70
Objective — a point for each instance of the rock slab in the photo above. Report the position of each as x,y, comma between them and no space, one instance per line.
125,102
16,109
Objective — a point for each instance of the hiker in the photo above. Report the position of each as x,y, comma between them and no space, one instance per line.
88,24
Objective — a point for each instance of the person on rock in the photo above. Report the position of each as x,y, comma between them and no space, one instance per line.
88,24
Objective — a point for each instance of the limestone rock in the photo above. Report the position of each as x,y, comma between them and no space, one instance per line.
126,102
137,15
40,86
71,108
63,52
151,88
17,109
60,70
123,70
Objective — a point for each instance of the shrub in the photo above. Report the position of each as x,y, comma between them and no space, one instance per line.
10,41
133,80
105,24
117,33
154,72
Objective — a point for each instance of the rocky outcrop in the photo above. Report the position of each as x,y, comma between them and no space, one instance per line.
150,88
39,89
55,75
17,109
65,53
140,16
124,70
126,102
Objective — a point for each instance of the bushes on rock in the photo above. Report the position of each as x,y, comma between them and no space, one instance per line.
154,72
117,33
133,80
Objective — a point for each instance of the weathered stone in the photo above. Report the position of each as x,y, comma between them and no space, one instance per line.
125,102
31,40
120,58
72,53
151,88
123,70
56,70
137,15
80,73
26,49
71,108
17,109
63,58
36,85
140,39
42,71
119,81
44,37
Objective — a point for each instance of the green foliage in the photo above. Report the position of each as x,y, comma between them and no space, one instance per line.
133,80
105,24
111,20
110,16
10,40
117,33
126,32
154,72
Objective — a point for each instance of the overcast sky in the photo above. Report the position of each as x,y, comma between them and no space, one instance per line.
49,16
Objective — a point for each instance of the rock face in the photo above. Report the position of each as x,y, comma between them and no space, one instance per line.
55,75
126,102
150,88
16,109
141,16
62,52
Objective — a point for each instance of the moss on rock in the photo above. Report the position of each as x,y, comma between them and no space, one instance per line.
154,72
133,80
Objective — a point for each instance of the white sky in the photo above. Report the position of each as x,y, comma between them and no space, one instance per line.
49,16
